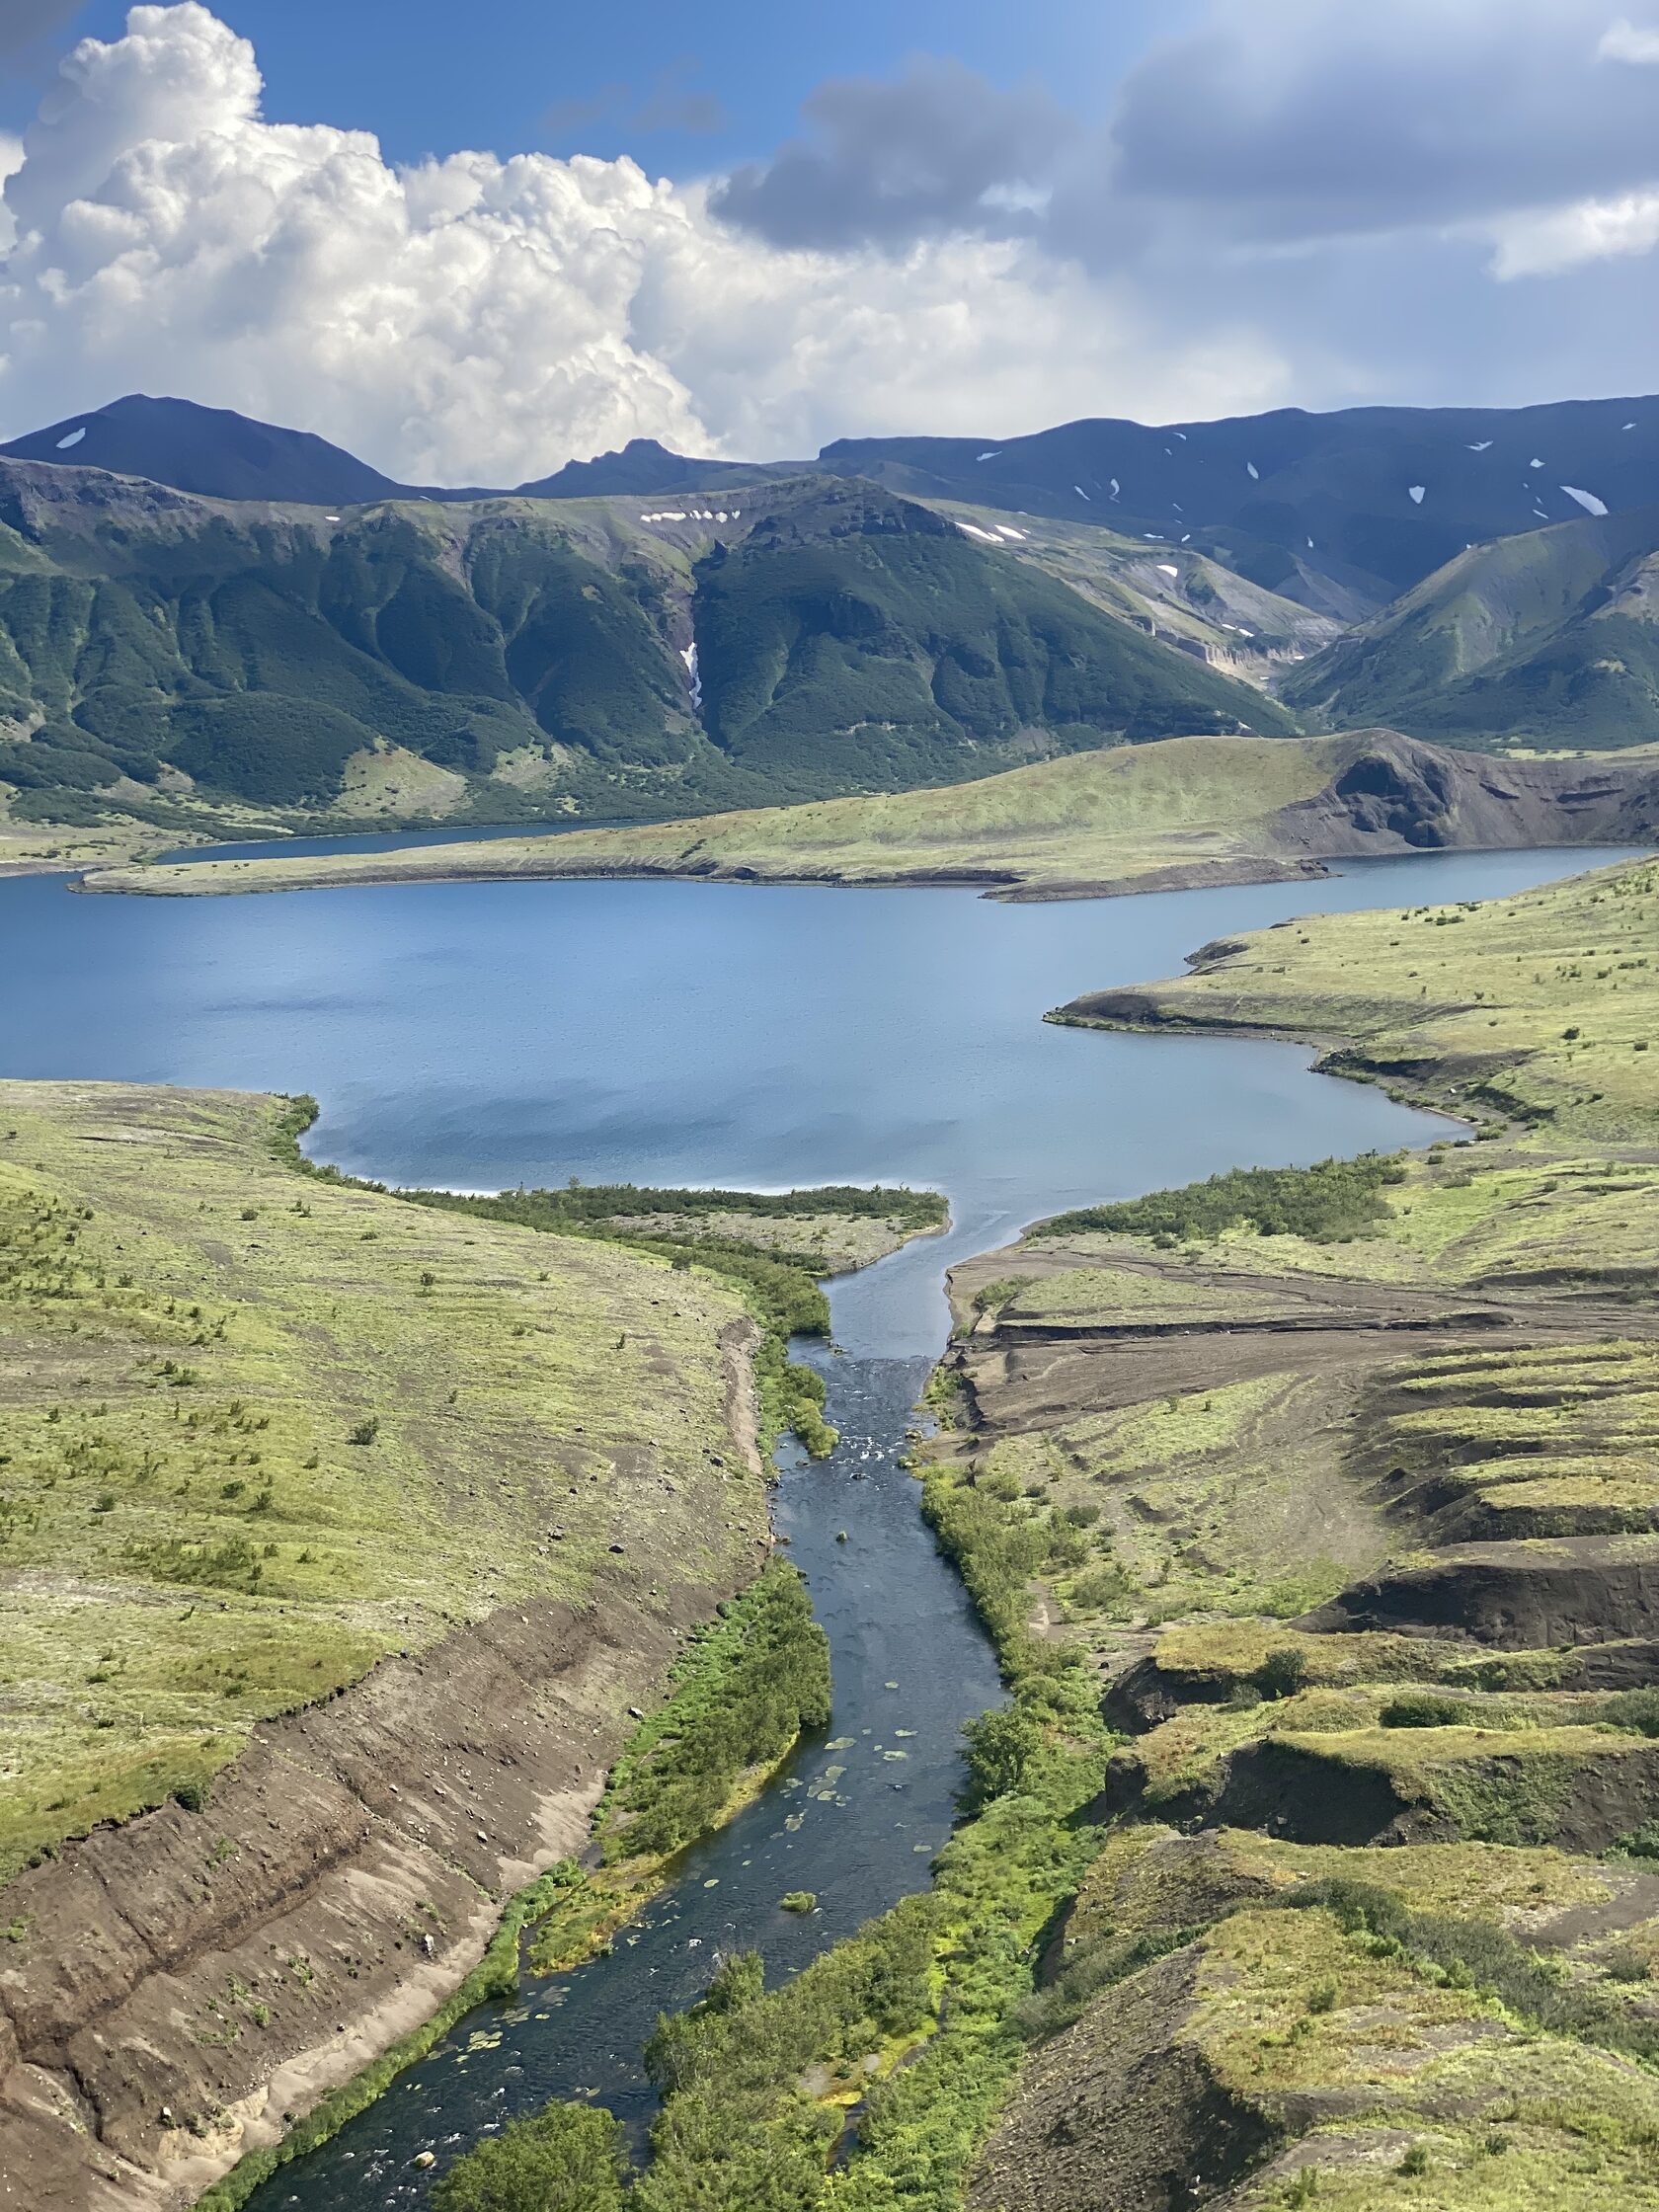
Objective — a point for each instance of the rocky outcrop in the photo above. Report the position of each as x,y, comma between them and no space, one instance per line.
1400,795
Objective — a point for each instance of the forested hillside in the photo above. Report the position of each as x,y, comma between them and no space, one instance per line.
510,658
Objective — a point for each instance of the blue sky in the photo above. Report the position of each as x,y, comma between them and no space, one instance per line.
972,218
428,78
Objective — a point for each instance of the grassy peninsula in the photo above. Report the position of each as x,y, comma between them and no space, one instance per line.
1541,1007
1182,810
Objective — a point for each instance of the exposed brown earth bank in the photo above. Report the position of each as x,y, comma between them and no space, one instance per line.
339,1536
1195,2083
1348,1479
186,1984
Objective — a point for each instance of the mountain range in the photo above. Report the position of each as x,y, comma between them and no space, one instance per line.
1553,634
510,658
199,608
1342,510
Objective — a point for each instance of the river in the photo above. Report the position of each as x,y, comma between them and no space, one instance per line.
483,1035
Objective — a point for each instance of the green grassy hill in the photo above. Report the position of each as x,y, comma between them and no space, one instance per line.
224,1384
510,659
1184,811
1550,639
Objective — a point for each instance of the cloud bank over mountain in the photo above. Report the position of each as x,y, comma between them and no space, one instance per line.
1464,193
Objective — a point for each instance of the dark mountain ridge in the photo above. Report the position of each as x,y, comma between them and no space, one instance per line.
1373,496
1340,510
209,450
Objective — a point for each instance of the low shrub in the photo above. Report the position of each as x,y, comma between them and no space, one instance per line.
1422,1708
1328,1203
566,2159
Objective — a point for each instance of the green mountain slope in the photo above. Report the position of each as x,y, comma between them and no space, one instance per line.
1179,594
514,657
1549,639
869,629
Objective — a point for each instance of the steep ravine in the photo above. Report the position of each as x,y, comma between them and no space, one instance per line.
345,1876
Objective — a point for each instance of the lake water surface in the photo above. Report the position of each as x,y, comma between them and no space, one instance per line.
482,1034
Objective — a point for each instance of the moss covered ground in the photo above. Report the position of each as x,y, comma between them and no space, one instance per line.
257,1430
1096,817
1446,2024
1540,1008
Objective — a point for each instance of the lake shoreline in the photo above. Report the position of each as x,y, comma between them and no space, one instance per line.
913,1281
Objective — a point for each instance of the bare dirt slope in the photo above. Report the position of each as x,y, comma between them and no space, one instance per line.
337,1536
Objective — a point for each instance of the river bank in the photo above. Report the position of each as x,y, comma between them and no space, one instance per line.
1331,1491
1362,1463
889,1310
1336,1485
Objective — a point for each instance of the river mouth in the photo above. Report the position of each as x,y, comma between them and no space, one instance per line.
483,1035
855,1816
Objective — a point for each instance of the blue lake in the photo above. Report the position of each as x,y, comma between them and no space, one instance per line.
483,1035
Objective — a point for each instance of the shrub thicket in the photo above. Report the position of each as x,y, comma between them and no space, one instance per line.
566,2159
1328,1203
750,1686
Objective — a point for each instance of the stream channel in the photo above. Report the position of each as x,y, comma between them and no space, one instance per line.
483,1035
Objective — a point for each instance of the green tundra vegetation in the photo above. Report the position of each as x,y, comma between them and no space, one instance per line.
568,2159
773,1246
1310,1859
1543,639
1096,817
234,1383
812,623
565,2160
1103,816
748,1686
1120,816
1329,1203
194,665
1540,1008
304,1424
829,1229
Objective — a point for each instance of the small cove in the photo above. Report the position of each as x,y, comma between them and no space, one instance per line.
481,1035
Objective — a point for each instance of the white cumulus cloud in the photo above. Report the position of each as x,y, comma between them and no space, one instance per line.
1624,41
1544,243
11,158
480,319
